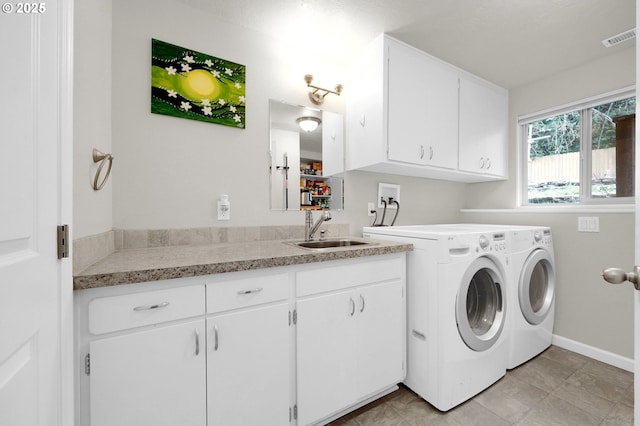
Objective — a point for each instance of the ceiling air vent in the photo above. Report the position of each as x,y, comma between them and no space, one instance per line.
616,39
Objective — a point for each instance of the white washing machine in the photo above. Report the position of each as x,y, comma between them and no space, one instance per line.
530,290
456,310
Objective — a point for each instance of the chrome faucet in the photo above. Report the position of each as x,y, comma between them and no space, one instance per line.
311,228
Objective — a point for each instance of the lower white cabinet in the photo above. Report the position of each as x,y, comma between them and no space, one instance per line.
350,341
152,377
284,346
248,367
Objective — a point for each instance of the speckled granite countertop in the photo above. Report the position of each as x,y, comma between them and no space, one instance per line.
130,266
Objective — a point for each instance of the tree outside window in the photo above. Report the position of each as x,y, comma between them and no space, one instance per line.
561,168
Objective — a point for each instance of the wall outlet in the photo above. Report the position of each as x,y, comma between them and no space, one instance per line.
589,224
371,207
224,208
386,192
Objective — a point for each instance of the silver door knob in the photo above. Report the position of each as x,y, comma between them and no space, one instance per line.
617,276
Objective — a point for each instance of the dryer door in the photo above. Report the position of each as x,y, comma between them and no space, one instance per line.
480,310
536,287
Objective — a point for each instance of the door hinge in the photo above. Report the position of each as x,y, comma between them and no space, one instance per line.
63,241
295,316
87,364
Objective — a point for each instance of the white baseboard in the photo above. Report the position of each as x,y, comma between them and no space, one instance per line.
593,352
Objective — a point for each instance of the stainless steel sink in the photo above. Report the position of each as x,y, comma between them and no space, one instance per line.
330,243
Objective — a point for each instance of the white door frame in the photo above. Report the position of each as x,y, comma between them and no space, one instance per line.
65,43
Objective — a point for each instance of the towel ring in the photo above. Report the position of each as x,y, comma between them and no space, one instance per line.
102,158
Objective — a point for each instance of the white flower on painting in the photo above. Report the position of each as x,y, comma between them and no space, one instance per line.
206,110
216,73
237,85
208,63
237,118
186,68
242,99
228,71
221,101
232,108
171,70
172,93
189,59
206,102
185,106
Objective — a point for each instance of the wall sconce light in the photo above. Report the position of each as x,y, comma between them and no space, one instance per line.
308,124
317,94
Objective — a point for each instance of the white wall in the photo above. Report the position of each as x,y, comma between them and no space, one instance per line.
92,210
170,172
587,309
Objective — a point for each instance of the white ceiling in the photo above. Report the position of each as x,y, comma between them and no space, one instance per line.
509,42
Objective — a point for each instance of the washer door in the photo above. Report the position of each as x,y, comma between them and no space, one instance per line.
480,310
536,288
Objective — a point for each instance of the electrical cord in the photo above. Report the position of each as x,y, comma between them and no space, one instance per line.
375,217
384,212
397,211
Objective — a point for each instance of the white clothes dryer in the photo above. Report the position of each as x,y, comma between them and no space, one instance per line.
533,269
456,310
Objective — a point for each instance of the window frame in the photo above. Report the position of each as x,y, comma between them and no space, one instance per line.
584,108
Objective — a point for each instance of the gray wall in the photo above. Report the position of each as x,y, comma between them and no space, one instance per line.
587,309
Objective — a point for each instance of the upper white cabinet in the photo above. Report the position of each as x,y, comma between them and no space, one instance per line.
483,127
411,114
422,95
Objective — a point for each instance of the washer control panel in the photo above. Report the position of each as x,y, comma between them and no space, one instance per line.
495,242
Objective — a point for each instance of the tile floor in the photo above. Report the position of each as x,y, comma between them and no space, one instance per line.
558,387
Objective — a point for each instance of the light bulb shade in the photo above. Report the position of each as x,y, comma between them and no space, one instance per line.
308,124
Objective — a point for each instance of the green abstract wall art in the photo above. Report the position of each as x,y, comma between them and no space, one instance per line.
196,86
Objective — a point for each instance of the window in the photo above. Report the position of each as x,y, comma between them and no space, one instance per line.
583,153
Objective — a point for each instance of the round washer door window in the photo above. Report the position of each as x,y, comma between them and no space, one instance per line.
480,310
536,288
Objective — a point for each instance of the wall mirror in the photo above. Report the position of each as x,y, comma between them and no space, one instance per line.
307,166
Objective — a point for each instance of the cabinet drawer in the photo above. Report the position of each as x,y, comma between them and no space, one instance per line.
114,313
228,295
349,275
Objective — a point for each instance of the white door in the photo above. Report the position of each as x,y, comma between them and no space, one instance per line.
35,287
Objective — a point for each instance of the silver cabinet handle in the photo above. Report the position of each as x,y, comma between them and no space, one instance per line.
418,335
150,307
421,152
215,337
482,162
361,304
197,333
353,306
488,163
430,153
255,290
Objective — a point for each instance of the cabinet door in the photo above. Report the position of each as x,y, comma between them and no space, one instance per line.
332,144
483,127
380,336
150,378
423,109
326,363
248,368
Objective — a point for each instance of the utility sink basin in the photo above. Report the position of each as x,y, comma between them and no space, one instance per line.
330,243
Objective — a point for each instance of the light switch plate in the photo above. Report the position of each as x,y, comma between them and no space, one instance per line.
589,224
